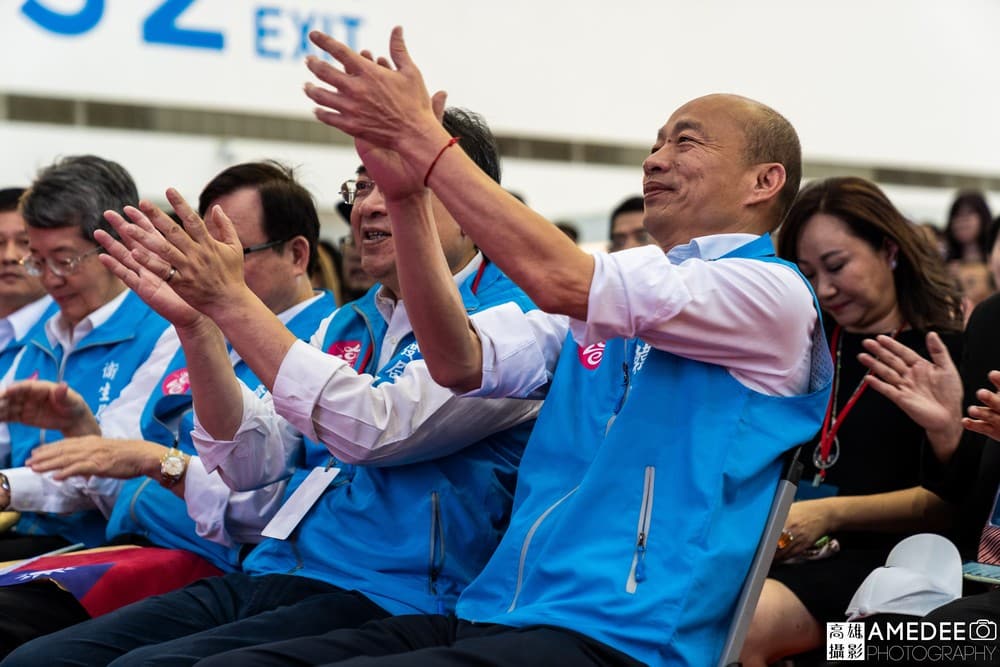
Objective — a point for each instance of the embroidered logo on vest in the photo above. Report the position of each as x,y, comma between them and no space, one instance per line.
176,383
348,350
591,355
641,352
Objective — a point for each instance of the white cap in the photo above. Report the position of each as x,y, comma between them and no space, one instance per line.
921,573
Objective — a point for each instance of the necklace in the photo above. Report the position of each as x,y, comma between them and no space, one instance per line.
827,451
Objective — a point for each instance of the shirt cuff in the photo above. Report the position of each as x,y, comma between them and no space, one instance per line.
27,489
214,453
629,289
206,499
298,387
508,344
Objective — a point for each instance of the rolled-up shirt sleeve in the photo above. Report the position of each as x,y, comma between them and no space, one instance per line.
363,422
755,318
262,451
39,492
520,350
225,516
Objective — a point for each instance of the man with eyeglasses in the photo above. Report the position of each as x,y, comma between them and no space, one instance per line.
101,335
419,485
278,225
24,303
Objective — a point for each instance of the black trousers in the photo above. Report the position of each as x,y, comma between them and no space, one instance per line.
430,641
14,546
34,609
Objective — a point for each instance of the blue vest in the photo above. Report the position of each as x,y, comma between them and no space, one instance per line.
642,496
9,353
144,507
409,537
100,366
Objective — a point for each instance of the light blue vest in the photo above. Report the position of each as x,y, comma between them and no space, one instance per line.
409,537
144,507
641,498
100,366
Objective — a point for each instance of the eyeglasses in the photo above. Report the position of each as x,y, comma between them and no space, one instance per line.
60,268
263,246
353,191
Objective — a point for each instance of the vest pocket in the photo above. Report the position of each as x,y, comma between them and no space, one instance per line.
637,572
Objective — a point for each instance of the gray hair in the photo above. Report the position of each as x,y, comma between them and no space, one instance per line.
75,192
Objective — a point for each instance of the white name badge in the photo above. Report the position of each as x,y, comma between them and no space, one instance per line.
301,501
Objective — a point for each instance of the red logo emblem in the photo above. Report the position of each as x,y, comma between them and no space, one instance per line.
591,355
177,383
348,350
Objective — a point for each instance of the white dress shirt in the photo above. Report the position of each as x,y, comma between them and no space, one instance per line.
322,397
18,323
757,319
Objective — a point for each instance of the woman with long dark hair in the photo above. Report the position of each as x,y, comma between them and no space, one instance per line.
860,492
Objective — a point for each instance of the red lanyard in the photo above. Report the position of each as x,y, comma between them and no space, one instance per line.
831,422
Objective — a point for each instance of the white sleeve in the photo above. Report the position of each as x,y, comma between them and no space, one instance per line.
410,419
39,492
225,516
262,451
754,318
520,350
123,416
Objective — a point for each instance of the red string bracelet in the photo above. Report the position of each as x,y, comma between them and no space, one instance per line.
451,142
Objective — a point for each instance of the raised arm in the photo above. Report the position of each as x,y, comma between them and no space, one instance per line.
215,389
389,107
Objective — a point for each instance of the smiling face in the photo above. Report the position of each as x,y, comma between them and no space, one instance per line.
373,237
696,179
853,280
17,288
88,286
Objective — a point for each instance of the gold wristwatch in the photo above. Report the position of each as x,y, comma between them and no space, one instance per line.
5,485
173,465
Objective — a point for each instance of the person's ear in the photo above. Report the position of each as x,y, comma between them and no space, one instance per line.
769,179
300,252
891,253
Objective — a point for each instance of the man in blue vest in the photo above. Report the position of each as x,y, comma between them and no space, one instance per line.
278,226
101,337
685,377
403,536
23,301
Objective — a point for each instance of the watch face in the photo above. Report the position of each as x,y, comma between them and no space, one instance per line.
172,466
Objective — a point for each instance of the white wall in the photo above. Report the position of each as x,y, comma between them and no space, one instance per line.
890,82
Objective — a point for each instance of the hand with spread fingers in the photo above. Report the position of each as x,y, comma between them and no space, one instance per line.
384,105
48,405
203,259
928,391
985,418
96,456
150,279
